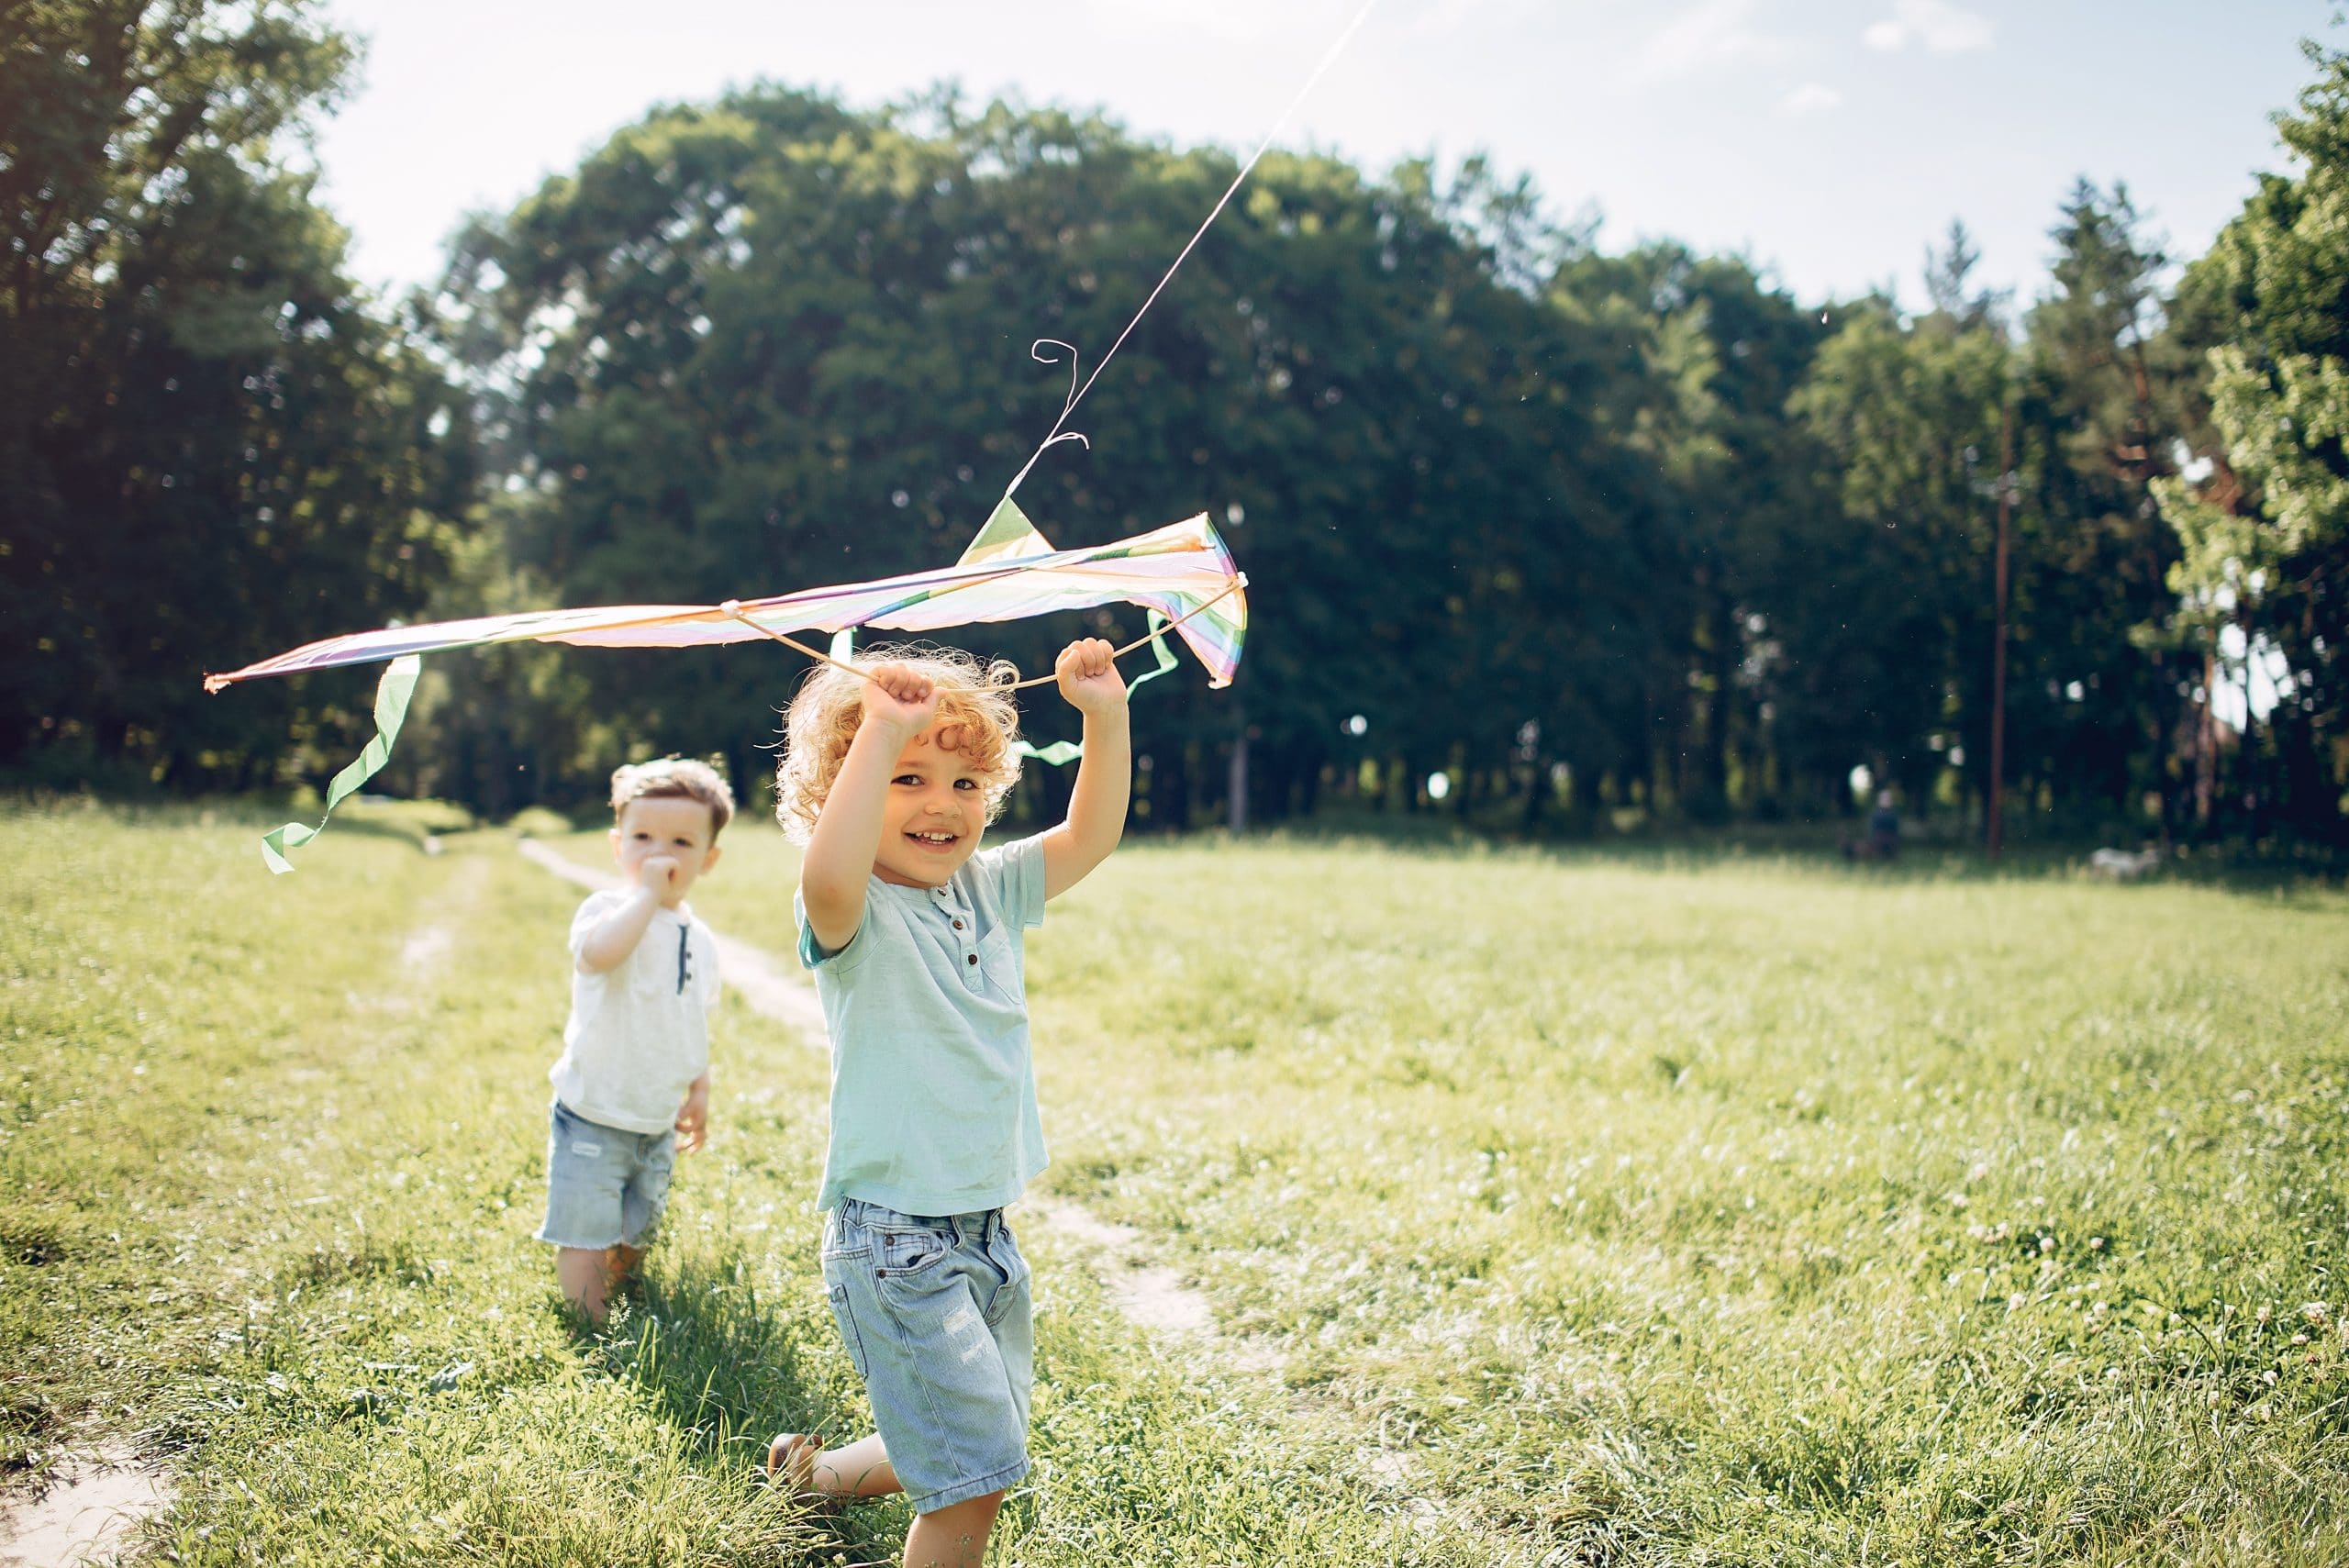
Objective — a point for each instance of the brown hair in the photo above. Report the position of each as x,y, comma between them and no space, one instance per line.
674,778
974,710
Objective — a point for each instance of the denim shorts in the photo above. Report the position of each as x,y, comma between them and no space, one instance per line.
935,1315
605,1188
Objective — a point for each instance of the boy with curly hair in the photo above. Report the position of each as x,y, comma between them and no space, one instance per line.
890,776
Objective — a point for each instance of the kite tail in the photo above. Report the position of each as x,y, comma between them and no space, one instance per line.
392,694
1060,753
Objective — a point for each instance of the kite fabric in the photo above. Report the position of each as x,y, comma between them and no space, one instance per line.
1009,572
1180,574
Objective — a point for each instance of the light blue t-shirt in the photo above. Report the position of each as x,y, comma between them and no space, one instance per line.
933,1093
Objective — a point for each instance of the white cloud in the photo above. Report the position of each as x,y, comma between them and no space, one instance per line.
1939,27
1709,36
1810,98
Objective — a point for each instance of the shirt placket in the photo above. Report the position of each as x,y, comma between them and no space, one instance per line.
964,930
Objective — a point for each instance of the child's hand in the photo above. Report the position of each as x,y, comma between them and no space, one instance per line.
901,697
693,1119
1088,678
658,874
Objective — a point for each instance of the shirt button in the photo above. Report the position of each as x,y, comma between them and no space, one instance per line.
970,957
958,925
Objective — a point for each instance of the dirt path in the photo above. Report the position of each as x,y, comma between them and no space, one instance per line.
88,1513
428,945
93,1502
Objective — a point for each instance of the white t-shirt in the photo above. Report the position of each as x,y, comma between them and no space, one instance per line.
639,1034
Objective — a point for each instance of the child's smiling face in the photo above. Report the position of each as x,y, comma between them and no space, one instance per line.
937,808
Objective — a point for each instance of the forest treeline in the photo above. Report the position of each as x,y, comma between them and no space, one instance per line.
1566,532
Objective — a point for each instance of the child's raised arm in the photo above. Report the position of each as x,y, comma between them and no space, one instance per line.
615,935
1096,807
898,706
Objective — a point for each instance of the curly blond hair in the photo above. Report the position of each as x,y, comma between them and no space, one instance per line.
675,778
976,717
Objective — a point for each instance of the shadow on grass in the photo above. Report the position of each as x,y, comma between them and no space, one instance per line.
731,1370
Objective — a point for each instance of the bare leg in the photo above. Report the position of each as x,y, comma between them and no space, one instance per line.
954,1535
620,1263
859,1469
585,1273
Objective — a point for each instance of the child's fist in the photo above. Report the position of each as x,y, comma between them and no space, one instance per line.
895,694
658,874
693,1119
1088,678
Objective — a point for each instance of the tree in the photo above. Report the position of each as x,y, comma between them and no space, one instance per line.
2264,522
209,447
1896,655
769,343
1948,273
2095,701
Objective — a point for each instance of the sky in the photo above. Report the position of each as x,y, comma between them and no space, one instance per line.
1830,140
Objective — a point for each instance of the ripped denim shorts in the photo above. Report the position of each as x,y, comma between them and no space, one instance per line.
605,1186
935,1313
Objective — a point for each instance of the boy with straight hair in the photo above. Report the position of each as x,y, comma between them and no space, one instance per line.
632,1086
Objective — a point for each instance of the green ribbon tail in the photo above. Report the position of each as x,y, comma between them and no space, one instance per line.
1060,753
392,694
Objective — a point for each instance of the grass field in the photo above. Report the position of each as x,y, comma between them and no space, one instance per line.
1552,1210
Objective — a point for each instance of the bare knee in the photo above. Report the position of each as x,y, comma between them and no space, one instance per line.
954,1535
983,1507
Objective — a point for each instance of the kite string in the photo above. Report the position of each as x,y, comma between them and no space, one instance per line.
734,607
1077,396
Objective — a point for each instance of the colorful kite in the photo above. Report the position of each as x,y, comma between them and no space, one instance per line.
1182,572
1009,572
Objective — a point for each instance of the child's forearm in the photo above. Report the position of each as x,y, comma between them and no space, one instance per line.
840,852
616,936
1096,806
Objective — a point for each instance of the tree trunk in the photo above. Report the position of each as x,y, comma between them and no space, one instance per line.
1709,799
2165,741
2206,749
1236,785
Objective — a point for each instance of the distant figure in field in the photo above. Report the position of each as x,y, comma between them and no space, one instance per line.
632,1086
892,772
1883,840
2121,865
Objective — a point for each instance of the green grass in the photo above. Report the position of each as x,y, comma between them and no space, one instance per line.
1633,1209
